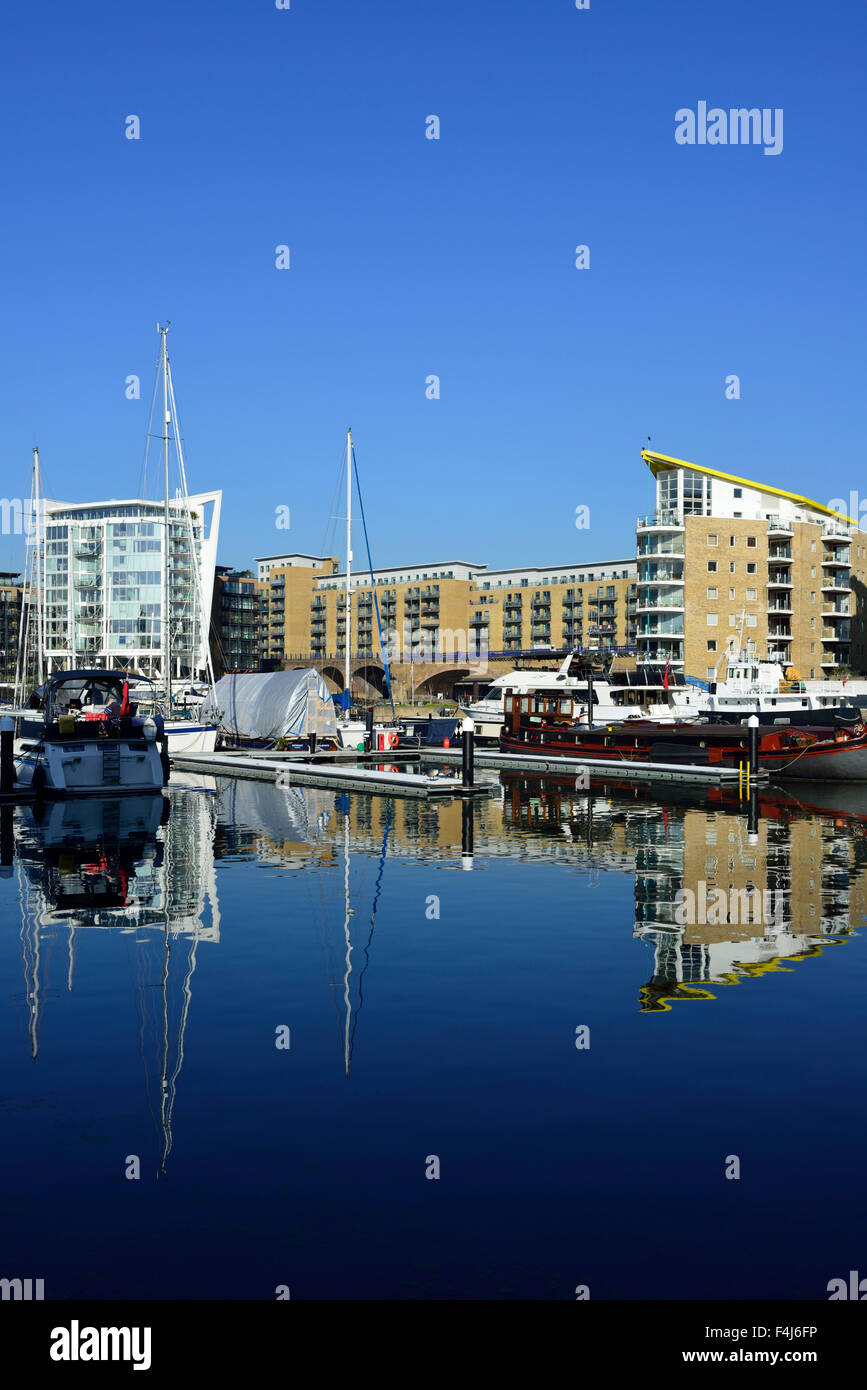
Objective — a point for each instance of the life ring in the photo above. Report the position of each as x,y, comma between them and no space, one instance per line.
392,740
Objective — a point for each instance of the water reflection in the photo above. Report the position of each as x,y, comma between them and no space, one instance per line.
723,890
141,866
145,867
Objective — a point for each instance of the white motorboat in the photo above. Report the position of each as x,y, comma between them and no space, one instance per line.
88,738
774,691
643,692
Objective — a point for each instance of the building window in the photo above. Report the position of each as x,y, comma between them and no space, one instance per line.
751,620
711,620
711,565
751,595
813,623
751,542
712,593
731,566
732,619
731,593
712,540
751,567
739,492
731,540
711,672
711,644
812,596
812,571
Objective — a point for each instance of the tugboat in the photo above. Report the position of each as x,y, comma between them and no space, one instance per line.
537,721
83,736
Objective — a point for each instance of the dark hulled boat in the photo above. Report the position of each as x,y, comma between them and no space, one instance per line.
539,722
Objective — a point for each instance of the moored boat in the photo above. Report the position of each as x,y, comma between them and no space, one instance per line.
539,721
86,737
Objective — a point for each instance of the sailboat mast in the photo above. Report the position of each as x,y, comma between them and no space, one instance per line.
40,614
167,630
348,560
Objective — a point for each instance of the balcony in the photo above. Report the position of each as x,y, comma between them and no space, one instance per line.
838,586
659,653
778,526
653,543
782,606
780,634
837,531
842,633
660,574
660,521
838,559
780,554
661,600
839,610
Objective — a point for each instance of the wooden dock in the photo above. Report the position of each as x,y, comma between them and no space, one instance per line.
599,768
285,770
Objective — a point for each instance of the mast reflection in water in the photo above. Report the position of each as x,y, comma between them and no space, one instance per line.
139,865
429,964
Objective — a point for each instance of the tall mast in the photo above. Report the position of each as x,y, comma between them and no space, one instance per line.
40,615
167,629
348,559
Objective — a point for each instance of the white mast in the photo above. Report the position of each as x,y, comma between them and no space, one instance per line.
167,634
40,613
348,559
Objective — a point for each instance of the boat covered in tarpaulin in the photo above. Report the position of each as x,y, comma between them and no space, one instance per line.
266,706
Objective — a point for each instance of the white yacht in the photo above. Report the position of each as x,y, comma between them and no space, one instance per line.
627,693
770,688
87,738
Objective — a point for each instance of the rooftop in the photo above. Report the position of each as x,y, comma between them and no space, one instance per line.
657,463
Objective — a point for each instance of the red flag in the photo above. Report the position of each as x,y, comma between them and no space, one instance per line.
124,699
665,678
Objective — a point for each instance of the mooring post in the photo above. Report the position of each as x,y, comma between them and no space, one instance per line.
467,743
753,726
165,761
467,825
368,735
312,741
753,819
7,762
7,842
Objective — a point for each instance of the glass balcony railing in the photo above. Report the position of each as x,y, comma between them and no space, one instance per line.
659,518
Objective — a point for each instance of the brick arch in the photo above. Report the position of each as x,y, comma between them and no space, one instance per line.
333,677
440,681
368,678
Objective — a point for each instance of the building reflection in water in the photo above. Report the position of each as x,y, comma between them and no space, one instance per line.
724,889
801,854
142,866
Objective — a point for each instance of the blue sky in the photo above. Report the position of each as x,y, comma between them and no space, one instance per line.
412,257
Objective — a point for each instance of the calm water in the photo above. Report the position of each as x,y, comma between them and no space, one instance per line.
149,964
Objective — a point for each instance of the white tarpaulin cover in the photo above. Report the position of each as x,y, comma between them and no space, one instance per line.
272,705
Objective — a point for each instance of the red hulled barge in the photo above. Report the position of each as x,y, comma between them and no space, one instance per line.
550,724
